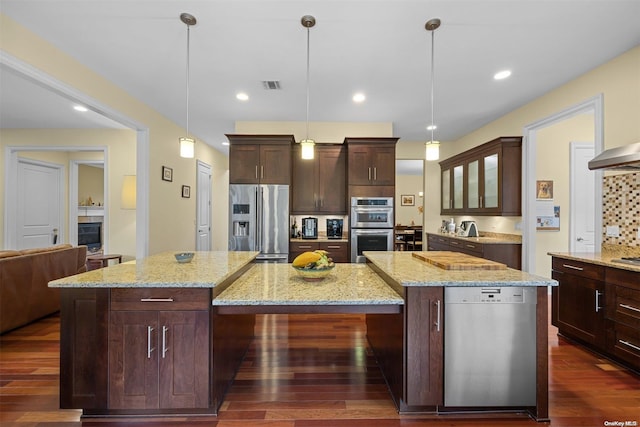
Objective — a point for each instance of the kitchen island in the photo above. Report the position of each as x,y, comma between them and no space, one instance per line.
157,337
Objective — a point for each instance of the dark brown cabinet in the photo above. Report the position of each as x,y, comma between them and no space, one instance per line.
505,253
158,359
485,180
319,185
338,250
260,159
623,314
372,161
578,303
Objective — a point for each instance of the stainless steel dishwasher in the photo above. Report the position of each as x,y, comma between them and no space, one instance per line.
490,346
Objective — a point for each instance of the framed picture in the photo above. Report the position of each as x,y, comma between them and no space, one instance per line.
167,174
407,200
544,190
186,191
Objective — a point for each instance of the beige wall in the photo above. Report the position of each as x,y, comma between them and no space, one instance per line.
171,218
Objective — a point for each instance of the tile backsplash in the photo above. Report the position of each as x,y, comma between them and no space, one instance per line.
621,207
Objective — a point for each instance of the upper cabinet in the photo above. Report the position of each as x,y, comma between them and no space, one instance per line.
372,161
485,180
260,159
319,185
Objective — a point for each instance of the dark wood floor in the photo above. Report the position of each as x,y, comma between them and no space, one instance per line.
310,371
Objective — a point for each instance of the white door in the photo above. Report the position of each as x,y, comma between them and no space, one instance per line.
583,211
203,207
39,204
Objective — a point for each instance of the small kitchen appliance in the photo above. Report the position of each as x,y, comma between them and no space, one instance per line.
309,228
468,229
334,228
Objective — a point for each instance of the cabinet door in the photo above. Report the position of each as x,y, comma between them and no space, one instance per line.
425,351
303,189
133,360
331,180
473,184
275,164
490,182
457,187
183,350
244,160
360,169
445,187
384,165
579,307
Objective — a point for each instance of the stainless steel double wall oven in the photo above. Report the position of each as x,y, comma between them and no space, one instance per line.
371,225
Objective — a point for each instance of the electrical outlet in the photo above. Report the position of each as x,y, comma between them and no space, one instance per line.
613,231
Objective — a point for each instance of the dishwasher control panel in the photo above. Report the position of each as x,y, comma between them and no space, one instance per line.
491,295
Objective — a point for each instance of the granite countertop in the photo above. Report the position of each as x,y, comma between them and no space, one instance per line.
603,258
485,238
279,284
407,270
206,270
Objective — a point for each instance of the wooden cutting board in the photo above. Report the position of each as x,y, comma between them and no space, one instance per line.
457,261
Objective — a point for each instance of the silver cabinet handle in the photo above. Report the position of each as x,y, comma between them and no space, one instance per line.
369,172
156,299
627,343
598,294
304,247
375,173
149,348
333,247
256,171
437,323
164,340
481,202
630,307
261,171
471,246
573,267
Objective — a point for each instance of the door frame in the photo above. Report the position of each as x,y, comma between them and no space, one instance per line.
592,105
49,82
573,147
73,199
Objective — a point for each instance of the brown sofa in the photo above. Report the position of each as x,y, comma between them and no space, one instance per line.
24,276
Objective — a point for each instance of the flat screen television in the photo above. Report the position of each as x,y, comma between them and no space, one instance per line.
90,235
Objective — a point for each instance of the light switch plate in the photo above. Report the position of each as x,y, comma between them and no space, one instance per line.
613,231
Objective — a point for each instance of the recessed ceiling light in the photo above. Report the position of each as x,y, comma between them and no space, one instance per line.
359,97
432,127
502,74
226,143
80,108
242,96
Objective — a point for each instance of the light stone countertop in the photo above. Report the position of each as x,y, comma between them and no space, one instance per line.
279,284
206,270
600,258
407,270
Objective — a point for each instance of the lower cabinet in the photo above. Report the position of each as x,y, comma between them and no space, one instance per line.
158,359
623,314
509,254
338,250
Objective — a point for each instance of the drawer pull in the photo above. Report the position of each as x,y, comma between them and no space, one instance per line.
304,246
598,295
471,246
573,267
149,348
437,322
164,341
627,343
156,299
629,307
333,247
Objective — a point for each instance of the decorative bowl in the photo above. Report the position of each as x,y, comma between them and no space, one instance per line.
184,257
313,274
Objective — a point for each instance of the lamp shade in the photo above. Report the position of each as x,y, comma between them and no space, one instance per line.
128,196
187,147
307,148
432,150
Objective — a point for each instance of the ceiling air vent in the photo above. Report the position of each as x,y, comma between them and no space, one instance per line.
271,84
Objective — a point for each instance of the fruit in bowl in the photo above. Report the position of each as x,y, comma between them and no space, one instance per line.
313,266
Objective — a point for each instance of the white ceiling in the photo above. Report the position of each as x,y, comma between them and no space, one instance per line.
378,47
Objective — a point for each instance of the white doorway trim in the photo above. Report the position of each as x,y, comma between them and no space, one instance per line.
576,175
43,79
73,199
592,105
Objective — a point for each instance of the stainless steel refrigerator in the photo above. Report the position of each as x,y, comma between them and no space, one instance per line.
259,220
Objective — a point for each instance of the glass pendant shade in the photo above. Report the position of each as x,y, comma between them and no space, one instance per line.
187,147
432,150
307,148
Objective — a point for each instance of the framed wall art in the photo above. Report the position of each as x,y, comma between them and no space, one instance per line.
167,174
544,190
407,200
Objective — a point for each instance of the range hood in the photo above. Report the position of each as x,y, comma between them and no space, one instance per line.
625,158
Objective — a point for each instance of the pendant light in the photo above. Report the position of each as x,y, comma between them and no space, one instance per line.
307,144
432,148
187,144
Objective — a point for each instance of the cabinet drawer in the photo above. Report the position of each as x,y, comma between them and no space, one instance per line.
625,344
160,299
578,268
629,279
626,306
338,251
303,246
